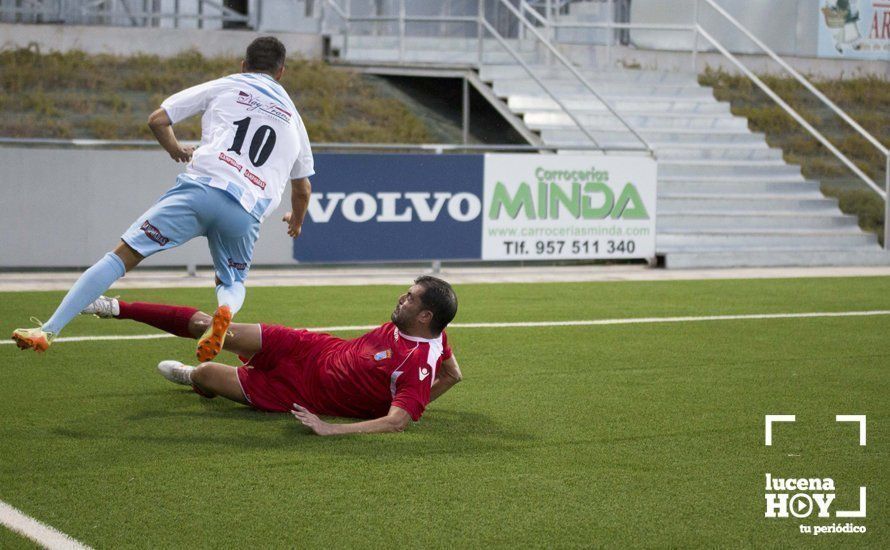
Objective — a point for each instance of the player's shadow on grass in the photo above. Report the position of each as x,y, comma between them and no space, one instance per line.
131,394
440,432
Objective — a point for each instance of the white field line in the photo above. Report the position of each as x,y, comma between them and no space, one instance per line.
40,533
531,324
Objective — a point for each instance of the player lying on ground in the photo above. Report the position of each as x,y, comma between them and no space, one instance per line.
253,140
388,375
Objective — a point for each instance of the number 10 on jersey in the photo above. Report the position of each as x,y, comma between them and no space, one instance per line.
261,144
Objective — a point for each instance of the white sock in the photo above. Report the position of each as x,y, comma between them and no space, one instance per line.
231,295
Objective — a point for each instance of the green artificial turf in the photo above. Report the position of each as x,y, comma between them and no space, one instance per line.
621,435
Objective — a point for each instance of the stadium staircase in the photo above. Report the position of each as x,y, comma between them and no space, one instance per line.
725,197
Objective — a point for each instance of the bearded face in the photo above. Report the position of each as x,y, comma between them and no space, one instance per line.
407,308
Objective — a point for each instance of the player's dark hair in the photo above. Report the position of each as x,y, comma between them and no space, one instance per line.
265,54
440,299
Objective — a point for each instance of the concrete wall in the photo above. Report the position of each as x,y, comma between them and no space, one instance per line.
67,207
132,40
789,27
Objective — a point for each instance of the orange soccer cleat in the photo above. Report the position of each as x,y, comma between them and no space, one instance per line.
211,343
32,338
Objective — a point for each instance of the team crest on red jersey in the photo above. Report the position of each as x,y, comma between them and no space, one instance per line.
381,355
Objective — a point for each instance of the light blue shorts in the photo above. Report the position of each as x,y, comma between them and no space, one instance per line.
191,209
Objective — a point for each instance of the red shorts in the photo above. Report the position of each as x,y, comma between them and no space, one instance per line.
271,379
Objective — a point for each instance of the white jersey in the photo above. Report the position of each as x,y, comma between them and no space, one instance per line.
252,138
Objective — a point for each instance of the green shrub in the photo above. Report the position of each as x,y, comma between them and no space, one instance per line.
863,203
864,98
110,97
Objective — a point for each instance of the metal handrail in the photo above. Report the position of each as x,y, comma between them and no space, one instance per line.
415,18
483,23
577,74
540,82
699,30
524,5
883,193
800,78
435,147
615,25
790,110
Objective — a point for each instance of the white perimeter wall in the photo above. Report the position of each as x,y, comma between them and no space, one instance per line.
156,41
67,207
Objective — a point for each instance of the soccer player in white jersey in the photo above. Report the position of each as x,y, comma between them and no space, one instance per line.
252,142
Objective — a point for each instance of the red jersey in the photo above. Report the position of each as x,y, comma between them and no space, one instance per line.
358,378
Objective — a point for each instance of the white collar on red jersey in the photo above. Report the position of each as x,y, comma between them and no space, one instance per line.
435,351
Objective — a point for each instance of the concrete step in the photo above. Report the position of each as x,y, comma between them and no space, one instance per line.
729,168
656,139
527,85
588,11
439,43
503,57
702,203
522,103
719,153
757,154
359,54
667,242
728,221
628,142
709,151
667,135
490,73
735,187
778,257
580,35
629,101
653,131
553,120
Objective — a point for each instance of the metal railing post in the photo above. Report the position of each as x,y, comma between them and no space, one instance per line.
480,16
609,33
568,65
696,24
794,114
887,204
516,56
803,81
346,25
466,110
401,30
883,193
548,8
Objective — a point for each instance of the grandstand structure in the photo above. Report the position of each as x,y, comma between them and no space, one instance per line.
725,197
554,69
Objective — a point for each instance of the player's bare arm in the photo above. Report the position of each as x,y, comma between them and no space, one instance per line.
447,376
162,128
301,191
395,421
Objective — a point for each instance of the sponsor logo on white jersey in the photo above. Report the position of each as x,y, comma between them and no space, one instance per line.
253,104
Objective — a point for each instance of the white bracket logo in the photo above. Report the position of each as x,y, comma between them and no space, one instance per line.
782,494
770,418
854,418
